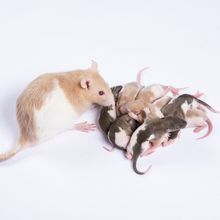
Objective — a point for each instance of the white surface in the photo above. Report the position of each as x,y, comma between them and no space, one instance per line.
71,176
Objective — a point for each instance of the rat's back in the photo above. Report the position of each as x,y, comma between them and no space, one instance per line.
43,110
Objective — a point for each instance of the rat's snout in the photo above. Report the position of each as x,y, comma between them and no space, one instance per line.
109,101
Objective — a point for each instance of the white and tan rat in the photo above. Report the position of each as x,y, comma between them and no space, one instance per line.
53,102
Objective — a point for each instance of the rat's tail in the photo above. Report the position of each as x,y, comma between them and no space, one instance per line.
10,153
139,74
210,128
207,106
135,158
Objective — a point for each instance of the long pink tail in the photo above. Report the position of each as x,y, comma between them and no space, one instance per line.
210,128
173,90
139,74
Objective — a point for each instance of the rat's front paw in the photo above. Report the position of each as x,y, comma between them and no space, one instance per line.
85,127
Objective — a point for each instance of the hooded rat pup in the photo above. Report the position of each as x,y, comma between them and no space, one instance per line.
152,112
117,130
155,129
191,109
120,131
53,102
108,113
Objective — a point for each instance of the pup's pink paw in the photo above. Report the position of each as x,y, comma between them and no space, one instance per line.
109,149
200,128
128,155
176,91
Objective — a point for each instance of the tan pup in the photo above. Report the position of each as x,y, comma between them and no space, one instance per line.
130,91
146,96
53,102
153,110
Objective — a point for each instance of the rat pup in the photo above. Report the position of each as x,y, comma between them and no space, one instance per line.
155,129
120,132
189,108
53,102
130,90
146,96
108,113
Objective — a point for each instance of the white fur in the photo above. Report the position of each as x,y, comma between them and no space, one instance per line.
112,113
121,138
152,137
56,114
194,104
185,107
133,139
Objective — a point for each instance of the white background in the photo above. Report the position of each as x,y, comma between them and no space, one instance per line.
71,176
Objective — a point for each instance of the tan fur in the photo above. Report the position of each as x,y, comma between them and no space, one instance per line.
142,100
146,97
129,93
32,98
34,95
81,97
195,114
70,83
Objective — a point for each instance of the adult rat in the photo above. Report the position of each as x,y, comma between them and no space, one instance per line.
53,102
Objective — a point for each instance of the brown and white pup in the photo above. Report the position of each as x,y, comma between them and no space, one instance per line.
121,130
108,114
53,102
144,134
191,109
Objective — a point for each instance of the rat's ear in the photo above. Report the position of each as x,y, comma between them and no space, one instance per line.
94,66
85,84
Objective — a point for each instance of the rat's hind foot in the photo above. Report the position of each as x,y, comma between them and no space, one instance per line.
85,127
128,155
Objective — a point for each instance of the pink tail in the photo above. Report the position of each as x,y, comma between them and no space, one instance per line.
210,128
139,74
175,91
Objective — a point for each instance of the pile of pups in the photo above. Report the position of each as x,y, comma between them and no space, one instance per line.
145,118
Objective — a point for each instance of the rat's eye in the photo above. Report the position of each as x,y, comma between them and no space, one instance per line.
101,93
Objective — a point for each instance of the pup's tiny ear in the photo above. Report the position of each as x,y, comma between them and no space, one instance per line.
94,66
85,84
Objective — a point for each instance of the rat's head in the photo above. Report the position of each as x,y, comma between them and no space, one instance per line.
96,90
